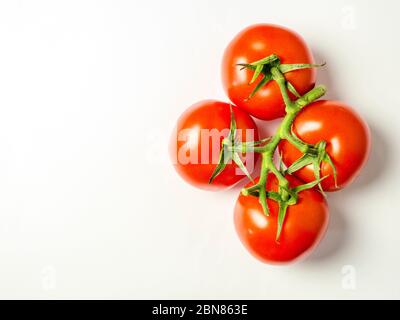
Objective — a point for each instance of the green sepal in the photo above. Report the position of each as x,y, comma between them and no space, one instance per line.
267,78
292,89
262,199
264,66
300,163
239,163
226,155
262,196
273,58
257,72
255,193
232,128
261,66
251,191
293,195
309,185
316,159
284,68
274,196
317,173
223,160
283,205
282,167
249,144
246,66
328,159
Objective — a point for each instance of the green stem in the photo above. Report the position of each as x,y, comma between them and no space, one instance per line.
244,147
281,81
294,140
283,132
271,69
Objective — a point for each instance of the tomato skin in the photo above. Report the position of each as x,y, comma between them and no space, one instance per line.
347,136
209,114
303,228
257,42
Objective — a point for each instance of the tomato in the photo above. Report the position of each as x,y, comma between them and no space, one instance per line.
347,137
257,42
196,143
303,228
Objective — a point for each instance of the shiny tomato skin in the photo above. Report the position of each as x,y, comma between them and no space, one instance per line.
209,115
257,42
347,136
304,226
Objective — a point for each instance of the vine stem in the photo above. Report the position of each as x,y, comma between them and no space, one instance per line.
284,131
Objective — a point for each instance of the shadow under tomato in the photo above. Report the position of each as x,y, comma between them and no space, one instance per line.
379,163
335,238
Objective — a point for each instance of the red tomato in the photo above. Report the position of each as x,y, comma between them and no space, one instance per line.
196,143
257,42
347,137
303,228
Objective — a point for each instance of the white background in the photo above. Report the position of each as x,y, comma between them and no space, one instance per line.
89,204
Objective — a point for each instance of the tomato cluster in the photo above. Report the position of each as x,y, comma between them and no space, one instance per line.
268,72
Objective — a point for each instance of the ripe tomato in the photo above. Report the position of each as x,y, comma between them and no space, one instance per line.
347,137
257,42
303,227
196,143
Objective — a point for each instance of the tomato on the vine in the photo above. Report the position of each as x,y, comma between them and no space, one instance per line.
196,143
303,228
347,137
254,43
